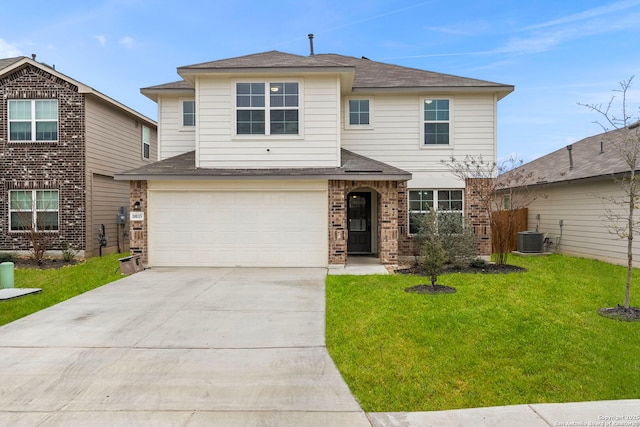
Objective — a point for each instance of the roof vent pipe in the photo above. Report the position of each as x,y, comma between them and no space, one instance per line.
569,148
311,44
33,56
601,147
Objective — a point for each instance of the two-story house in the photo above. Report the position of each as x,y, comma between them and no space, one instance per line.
276,159
61,142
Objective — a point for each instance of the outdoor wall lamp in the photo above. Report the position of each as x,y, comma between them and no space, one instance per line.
136,206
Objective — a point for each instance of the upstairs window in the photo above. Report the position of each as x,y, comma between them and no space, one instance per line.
33,210
436,121
275,112
359,112
33,120
188,113
146,142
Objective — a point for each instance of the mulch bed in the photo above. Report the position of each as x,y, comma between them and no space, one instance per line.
485,269
631,314
431,289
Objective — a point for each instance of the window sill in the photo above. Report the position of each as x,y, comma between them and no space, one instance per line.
436,147
267,137
34,142
358,128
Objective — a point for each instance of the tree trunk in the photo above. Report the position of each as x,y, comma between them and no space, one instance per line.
632,197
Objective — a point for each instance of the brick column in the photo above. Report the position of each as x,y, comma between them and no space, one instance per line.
477,214
388,244
138,229
337,223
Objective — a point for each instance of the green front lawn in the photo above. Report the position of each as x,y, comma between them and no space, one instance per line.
502,339
58,285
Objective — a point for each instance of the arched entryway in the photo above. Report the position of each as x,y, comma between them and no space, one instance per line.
384,218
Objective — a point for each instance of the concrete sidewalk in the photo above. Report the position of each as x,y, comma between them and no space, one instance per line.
604,413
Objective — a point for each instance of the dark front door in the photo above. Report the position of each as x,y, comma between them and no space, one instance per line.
359,223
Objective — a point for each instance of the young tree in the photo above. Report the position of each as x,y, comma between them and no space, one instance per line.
501,189
623,134
430,242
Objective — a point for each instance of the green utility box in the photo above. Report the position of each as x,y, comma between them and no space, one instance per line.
6,274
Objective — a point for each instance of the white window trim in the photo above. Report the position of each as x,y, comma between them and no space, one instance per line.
33,121
234,117
435,203
145,143
182,127
452,139
349,126
34,210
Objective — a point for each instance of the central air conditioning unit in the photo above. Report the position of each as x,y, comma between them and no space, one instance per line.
530,241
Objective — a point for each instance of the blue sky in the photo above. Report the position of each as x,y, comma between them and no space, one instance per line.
555,53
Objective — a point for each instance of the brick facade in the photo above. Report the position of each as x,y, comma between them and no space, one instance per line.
388,192
45,165
392,220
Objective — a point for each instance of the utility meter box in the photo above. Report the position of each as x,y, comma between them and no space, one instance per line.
121,218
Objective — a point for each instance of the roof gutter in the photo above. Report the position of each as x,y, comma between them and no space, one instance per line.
210,177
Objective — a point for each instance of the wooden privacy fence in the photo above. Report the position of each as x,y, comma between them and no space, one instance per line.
519,217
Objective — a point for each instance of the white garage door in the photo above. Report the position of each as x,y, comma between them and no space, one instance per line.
259,228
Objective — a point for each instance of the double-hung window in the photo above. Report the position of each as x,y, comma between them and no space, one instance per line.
33,210
267,108
188,113
33,120
146,142
436,118
446,203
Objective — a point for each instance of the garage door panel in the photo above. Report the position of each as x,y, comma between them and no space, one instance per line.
245,228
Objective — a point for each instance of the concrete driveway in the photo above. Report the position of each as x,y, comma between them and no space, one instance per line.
179,347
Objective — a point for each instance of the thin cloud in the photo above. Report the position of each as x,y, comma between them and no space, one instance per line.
587,14
7,50
127,42
462,29
102,40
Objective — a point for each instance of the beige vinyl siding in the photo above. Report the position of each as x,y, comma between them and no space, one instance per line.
581,208
114,139
173,139
108,196
113,144
316,146
395,135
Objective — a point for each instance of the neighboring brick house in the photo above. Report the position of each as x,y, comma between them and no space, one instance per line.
61,142
275,159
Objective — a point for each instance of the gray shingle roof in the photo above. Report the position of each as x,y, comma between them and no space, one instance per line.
373,74
6,62
592,157
353,166
272,59
367,74
180,84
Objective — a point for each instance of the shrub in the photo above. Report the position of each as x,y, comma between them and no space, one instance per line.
7,257
68,253
457,238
